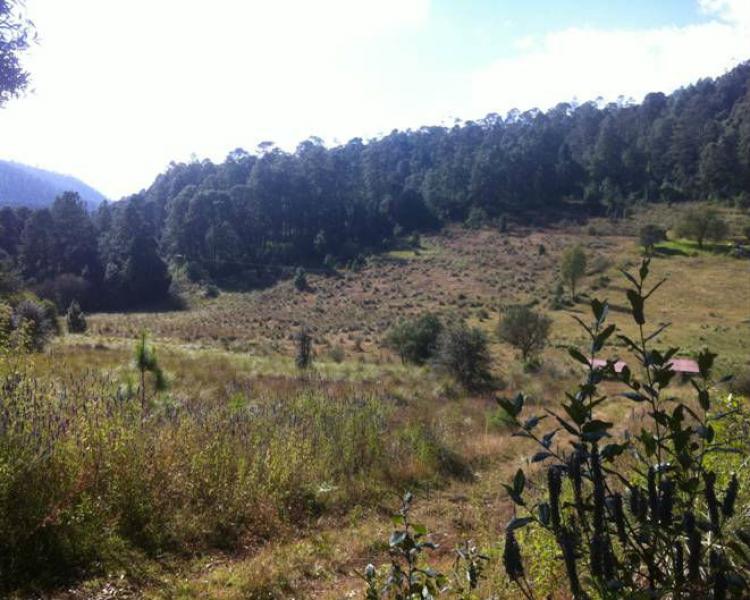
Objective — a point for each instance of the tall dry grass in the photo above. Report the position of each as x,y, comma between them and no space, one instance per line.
89,480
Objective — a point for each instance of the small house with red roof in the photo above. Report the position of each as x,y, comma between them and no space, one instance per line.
686,367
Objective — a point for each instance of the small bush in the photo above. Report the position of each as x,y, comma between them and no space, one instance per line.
34,323
415,340
701,224
525,329
300,279
75,318
211,291
573,267
304,352
558,297
337,354
463,353
740,383
477,218
6,325
329,262
650,235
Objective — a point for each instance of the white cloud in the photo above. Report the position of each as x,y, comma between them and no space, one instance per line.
732,11
584,63
122,88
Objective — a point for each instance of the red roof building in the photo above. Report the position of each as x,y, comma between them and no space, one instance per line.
686,366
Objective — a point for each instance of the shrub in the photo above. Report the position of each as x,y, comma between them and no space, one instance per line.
300,279
701,224
303,356
650,235
50,313
658,525
415,340
75,318
525,329
407,576
34,323
573,267
211,291
330,262
6,325
740,383
477,218
337,354
357,263
557,301
463,353
144,358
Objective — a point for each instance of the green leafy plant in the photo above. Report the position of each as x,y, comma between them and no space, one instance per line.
701,224
300,279
75,318
144,357
525,329
463,353
415,340
34,323
407,576
304,353
468,570
634,515
573,267
650,235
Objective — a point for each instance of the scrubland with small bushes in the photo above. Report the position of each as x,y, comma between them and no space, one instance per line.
210,452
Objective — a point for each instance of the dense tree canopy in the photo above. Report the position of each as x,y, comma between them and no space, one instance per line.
273,211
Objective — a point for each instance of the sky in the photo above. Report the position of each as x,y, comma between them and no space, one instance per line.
120,88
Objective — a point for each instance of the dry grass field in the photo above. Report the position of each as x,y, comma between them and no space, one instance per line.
241,343
459,273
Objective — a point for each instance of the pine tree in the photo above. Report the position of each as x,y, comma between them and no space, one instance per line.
303,359
75,318
146,362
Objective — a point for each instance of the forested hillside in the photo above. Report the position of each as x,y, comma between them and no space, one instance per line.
321,206
22,185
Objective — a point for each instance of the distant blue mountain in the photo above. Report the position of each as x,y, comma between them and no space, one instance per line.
22,185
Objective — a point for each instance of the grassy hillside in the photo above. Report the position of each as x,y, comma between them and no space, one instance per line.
460,273
323,456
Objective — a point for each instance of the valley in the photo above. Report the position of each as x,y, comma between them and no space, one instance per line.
241,345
